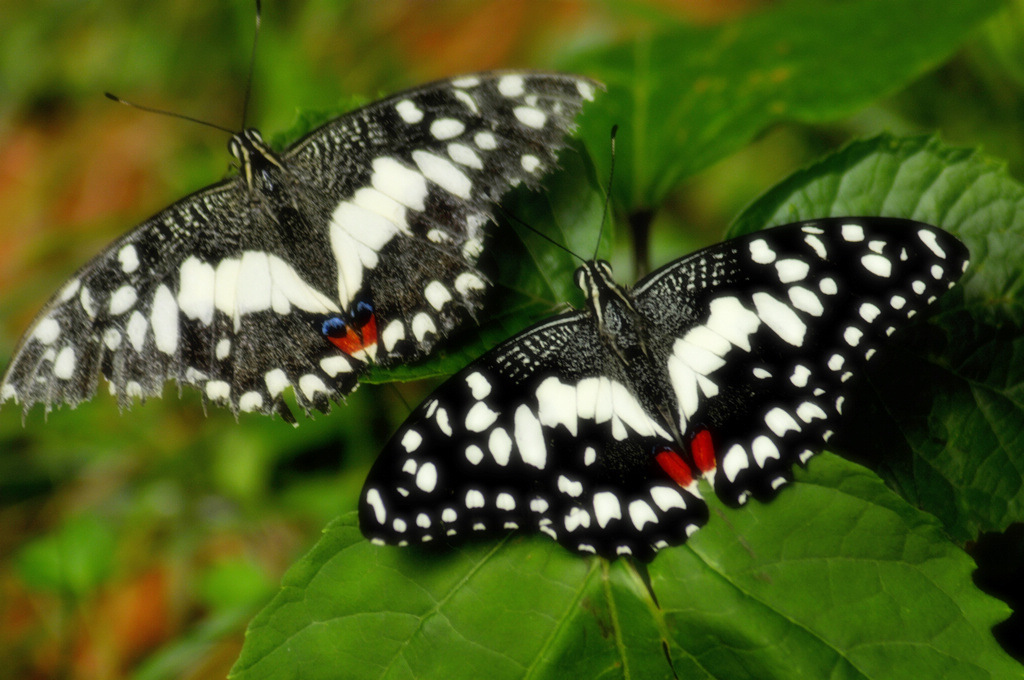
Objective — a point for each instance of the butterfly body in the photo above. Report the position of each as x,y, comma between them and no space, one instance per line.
374,221
593,426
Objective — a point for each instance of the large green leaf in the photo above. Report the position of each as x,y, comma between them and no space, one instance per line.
948,429
838,578
688,96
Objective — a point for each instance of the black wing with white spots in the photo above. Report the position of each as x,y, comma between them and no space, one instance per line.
729,364
357,244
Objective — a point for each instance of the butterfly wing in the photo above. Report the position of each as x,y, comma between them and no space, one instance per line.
163,302
228,289
538,433
759,335
418,176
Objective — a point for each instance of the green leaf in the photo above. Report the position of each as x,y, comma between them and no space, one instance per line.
688,96
948,430
74,560
837,578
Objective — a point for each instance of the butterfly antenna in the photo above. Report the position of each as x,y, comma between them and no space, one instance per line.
163,112
607,193
539,233
252,63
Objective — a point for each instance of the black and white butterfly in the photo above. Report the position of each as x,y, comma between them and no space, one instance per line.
359,243
729,363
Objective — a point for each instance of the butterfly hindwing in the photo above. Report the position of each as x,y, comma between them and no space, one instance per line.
730,363
540,433
359,243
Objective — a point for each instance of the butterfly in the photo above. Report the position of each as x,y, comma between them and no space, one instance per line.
356,245
594,425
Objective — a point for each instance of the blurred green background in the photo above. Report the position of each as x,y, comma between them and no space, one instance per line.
140,544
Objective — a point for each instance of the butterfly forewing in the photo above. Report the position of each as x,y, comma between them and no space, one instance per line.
373,222
773,326
730,363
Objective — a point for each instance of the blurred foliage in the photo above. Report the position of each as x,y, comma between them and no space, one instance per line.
141,544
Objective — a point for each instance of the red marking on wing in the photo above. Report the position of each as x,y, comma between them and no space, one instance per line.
369,330
350,343
703,452
674,466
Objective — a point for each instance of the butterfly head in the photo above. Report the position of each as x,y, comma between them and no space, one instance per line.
355,333
255,158
595,276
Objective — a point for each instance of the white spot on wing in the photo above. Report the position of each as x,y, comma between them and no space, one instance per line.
853,233
878,265
511,86
463,155
409,112
641,513
530,438
762,449
929,239
129,258
790,270
500,445
437,295
276,381
426,478
64,364
569,487
446,128
164,318
394,332
480,417
137,327
761,252
250,401
468,100
404,185
780,422
112,338
442,172
530,162
806,301
530,116
734,322
310,384
196,289
474,499
485,141
666,498
734,461
815,243
373,499
421,325
334,365
869,312
47,330
218,390
606,508
223,349
474,454
780,318
122,300
411,440
468,281
478,385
